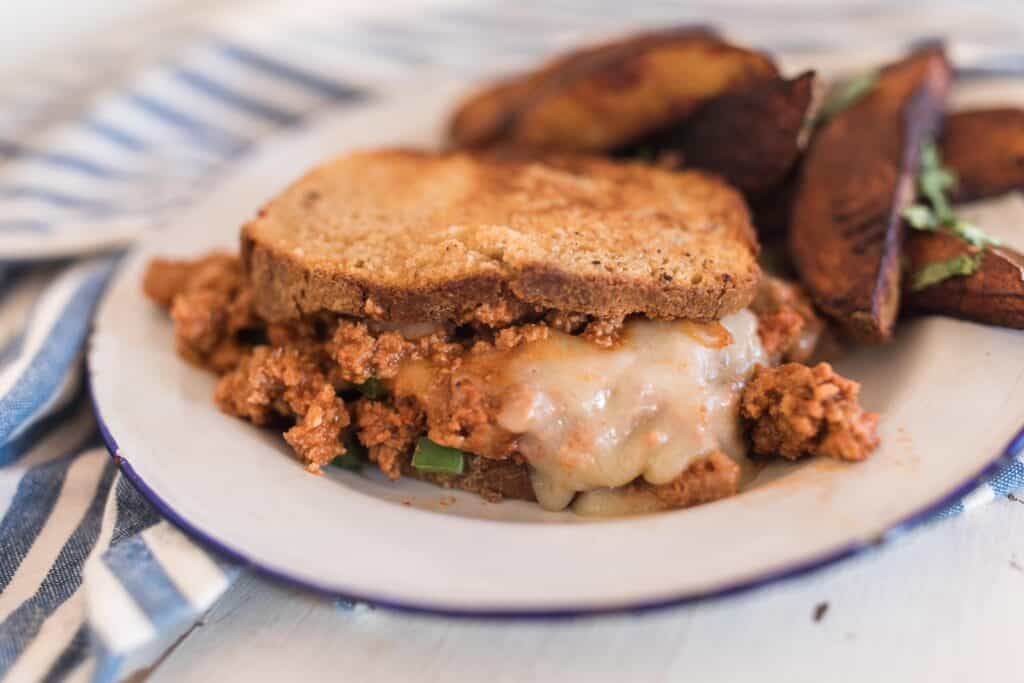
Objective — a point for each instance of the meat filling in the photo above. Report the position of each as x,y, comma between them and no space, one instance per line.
795,411
549,405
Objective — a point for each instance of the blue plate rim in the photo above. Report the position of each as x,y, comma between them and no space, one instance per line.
776,576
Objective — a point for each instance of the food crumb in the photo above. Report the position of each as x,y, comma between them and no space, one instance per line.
819,611
1016,566
794,410
447,501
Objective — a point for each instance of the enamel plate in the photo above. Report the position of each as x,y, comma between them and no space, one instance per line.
950,394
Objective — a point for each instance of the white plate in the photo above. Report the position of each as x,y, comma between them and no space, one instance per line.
950,393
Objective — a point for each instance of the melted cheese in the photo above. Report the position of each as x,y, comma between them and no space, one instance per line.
589,419
593,418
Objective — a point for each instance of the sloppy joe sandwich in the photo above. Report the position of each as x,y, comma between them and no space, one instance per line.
574,330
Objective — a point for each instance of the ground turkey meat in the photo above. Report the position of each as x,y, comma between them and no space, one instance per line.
709,478
210,302
794,410
272,384
460,414
290,376
361,355
389,431
786,322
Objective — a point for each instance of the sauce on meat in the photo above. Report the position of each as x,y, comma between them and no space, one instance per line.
587,418
595,418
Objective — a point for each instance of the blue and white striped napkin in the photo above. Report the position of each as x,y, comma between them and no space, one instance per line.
109,145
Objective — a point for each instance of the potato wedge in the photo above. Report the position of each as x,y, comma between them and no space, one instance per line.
993,294
857,176
750,137
772,209
601,98
985,147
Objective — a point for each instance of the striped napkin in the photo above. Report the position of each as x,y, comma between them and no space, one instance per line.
111,144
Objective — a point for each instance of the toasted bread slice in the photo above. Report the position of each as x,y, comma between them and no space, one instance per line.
492,479
603,97
408,235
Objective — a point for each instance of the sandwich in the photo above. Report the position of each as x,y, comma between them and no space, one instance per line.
571,330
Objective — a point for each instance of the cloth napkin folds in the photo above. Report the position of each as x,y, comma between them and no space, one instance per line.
98,150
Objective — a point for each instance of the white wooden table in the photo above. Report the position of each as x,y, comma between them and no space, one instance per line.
943,604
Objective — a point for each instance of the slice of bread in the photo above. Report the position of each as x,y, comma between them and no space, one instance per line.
407,235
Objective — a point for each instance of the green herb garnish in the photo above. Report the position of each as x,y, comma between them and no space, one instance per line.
969,232
354,457
920,217
935,180
962,264
844,95
372,389
432,457
348,461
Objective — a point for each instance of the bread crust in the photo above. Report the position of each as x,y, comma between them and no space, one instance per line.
575,234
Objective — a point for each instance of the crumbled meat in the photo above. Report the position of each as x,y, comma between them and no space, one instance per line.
300,335
206,323
389,431
289,375
570,323
794,410
372,309
787,324
210,302
462,415
603,332
709,478
498,315
272,383
164,279
391,348
360,355
511,337
779,331
316,436
439,350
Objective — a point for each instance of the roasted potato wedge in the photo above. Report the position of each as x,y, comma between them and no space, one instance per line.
993,294
857,176
773,208
985,147
750,137
602,98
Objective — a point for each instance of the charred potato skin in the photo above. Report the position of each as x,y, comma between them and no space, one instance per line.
985,148
602,98
751,137
993,294
858,175
772,210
